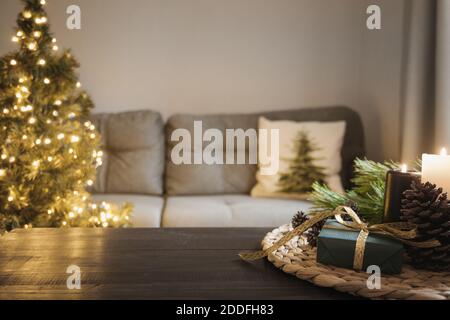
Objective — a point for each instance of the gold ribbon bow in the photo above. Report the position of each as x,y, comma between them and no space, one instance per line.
401,231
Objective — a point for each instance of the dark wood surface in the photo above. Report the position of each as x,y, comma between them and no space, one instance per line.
144,264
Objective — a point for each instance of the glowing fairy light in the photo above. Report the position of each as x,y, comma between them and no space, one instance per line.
41,20
27,14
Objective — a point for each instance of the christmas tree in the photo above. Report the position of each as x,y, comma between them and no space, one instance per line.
303,172
49,148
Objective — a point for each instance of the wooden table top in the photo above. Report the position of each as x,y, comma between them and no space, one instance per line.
144,264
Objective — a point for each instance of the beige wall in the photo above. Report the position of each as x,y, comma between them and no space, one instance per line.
236,56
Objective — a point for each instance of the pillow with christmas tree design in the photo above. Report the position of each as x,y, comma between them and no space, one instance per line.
308,152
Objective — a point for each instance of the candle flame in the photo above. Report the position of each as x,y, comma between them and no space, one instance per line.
443,152
404,168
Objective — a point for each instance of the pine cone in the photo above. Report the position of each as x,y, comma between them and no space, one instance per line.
310,234
355,207
428,208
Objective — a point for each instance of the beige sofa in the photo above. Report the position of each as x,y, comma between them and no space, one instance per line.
138,168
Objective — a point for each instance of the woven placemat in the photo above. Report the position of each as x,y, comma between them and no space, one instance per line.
299,259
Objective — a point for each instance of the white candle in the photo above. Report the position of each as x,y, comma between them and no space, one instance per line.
436,169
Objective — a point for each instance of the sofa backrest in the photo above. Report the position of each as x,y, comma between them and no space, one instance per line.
196,179
133,145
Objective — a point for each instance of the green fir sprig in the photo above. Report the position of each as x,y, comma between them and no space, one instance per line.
368,191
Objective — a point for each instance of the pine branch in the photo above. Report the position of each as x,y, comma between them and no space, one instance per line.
368,191
325,199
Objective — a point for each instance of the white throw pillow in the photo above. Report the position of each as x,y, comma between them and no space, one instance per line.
306,149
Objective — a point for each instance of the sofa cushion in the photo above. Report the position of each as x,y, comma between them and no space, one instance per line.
195,179
203,179
133,145
229,211
147,210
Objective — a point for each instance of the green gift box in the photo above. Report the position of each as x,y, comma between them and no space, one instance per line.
336,246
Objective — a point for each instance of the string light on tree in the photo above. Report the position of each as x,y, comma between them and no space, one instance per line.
27,14
47,139
32,46
41,20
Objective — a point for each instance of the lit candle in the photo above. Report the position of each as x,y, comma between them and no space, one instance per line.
397,182
436,169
